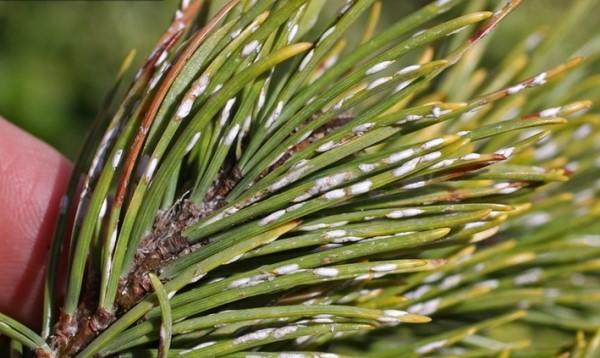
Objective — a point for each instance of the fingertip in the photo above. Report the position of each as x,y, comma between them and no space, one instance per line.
33,178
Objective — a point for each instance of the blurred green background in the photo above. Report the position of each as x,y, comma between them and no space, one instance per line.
58,58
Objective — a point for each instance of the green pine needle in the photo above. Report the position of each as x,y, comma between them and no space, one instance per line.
274,185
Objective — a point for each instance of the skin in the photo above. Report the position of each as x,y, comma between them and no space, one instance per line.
33,178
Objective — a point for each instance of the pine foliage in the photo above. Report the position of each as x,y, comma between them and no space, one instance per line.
271,186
